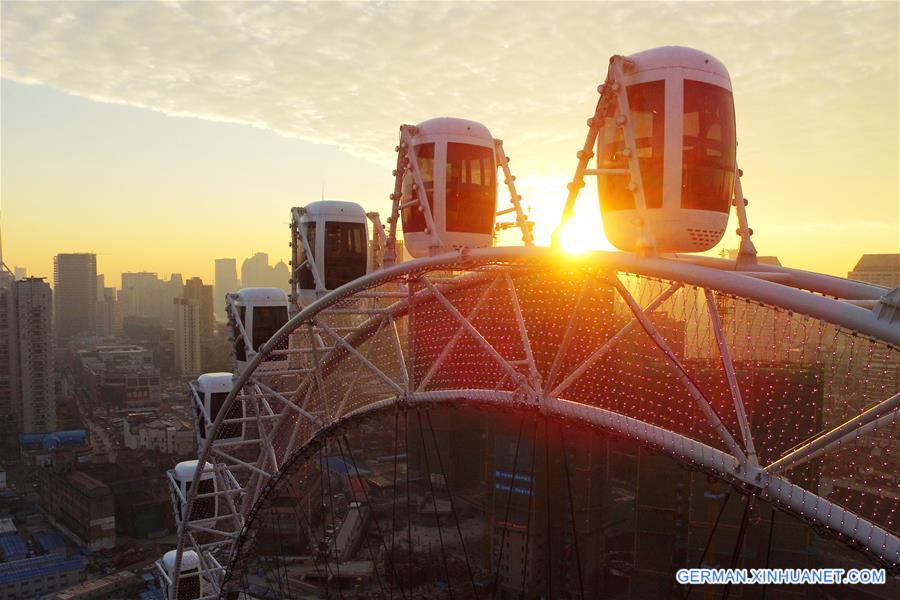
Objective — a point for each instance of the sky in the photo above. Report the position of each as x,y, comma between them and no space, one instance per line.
164,135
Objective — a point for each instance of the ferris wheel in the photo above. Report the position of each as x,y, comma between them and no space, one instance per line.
486,421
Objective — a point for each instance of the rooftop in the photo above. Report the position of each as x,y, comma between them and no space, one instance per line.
7,525
87,484
878,262
11,545
93,587
48,540
40,566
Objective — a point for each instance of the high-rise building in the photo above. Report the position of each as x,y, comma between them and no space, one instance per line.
880,269
195,290
139,288
75,287
187,336
226,283
20,273
36,400
145,295
255,271
281,276
8,357
176,285
109,313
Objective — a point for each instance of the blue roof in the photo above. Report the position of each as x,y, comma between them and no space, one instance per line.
12,545
345,467
72,437
40,566
152,594
49,540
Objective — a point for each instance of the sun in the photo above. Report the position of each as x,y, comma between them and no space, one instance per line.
584,231
545,196
578,236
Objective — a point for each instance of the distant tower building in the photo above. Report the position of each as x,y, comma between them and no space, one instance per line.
8,358
174,288
33,301
75,286
880,269
176,285
187,336
255,271
139,289
226,283
202,294
281,276
20,272
145,295
109,313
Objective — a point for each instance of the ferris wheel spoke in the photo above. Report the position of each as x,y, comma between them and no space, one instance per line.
711,416
362,359
739,409
286,403
882,415
533,374
316,344
533,477
447,484
437,517
369,507
567,335
326,475
398,353
512,485
611,342
565,455
514,374
457,335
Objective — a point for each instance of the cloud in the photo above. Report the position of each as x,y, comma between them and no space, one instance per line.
826,226
349,74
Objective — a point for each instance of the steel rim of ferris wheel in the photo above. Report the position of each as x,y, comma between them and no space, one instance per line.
497,269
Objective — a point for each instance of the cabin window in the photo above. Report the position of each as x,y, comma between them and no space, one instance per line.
345,253
647,105
708,159
307,279
204,508
189,587
471,198
201,421
229,430
413,218
266,321
240,349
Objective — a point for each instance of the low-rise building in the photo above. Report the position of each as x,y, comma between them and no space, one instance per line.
880,269
80,505
38,576
117,376
13,547
7,525
60,449
167,435
110,586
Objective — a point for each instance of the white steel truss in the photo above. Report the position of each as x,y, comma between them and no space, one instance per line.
288,409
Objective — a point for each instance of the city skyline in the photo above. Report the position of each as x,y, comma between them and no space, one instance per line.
132,140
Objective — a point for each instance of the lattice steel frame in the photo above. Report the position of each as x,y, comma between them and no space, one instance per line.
773,286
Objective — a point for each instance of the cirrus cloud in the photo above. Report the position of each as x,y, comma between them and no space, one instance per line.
348,74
